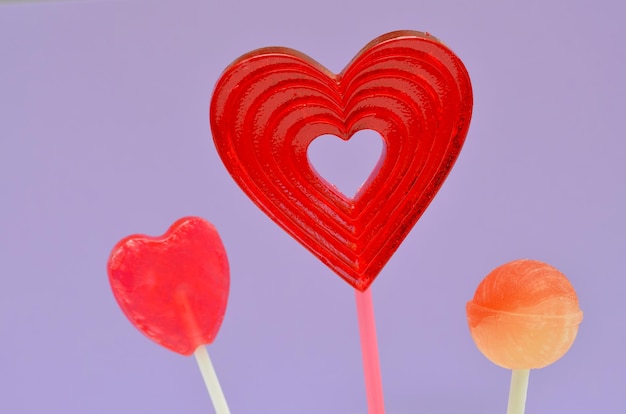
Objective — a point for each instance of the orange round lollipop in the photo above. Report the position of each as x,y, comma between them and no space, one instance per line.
524,315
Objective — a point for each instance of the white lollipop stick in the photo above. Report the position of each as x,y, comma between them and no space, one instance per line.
211,381
518,390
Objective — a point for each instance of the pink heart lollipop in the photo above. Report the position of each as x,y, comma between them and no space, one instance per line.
174,289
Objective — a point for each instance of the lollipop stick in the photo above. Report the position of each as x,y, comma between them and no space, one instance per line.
210,379
369,349
517,392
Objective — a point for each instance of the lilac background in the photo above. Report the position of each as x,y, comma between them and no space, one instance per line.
104,132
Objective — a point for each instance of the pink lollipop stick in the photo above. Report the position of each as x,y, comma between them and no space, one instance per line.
369,349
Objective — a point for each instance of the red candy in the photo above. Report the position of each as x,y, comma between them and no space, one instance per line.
173,288
271,103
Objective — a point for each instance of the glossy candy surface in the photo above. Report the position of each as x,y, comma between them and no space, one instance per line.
524,315
173,288
271,103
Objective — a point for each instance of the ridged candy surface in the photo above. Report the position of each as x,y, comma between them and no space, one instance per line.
524,315
271,103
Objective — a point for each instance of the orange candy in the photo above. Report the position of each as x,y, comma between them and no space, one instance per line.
524,315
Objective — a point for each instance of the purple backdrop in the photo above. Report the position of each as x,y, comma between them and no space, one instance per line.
104,132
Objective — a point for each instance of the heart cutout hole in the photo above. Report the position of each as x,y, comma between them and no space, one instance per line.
346,164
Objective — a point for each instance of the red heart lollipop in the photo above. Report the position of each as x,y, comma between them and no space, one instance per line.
271,103
173,288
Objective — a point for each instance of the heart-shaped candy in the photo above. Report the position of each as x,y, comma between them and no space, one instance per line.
173,288
271,103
